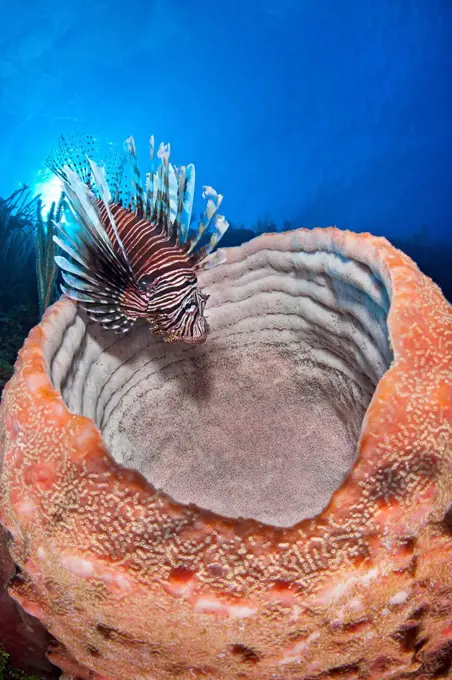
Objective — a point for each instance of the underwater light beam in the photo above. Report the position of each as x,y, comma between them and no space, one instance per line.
50,190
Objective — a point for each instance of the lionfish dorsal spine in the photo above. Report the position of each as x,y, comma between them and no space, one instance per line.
173,200
162,203
181,189
213,203
221,225
187,203
105,195
167,199
137,186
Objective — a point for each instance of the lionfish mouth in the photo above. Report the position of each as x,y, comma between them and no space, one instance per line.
194,340
189,339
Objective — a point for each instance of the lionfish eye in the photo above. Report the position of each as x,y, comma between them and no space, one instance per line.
189,305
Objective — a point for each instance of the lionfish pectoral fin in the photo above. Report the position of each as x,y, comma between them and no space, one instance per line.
99,277
100,309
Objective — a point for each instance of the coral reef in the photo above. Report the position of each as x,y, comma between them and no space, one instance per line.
22,635
28,274
17,219
320,409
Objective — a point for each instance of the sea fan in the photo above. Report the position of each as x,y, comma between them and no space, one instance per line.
46,249
17,225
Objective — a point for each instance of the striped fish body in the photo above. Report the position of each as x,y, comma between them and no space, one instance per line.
164,289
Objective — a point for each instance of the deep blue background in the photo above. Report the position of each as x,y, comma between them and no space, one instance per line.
315,112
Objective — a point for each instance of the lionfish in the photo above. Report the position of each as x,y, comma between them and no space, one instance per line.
132,257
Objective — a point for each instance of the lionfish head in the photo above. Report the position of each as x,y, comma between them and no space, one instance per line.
176,310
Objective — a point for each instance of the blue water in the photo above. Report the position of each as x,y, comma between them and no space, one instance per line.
303,112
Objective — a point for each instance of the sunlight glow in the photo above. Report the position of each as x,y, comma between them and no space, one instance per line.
50,190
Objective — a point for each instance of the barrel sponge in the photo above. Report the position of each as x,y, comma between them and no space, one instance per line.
274,504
